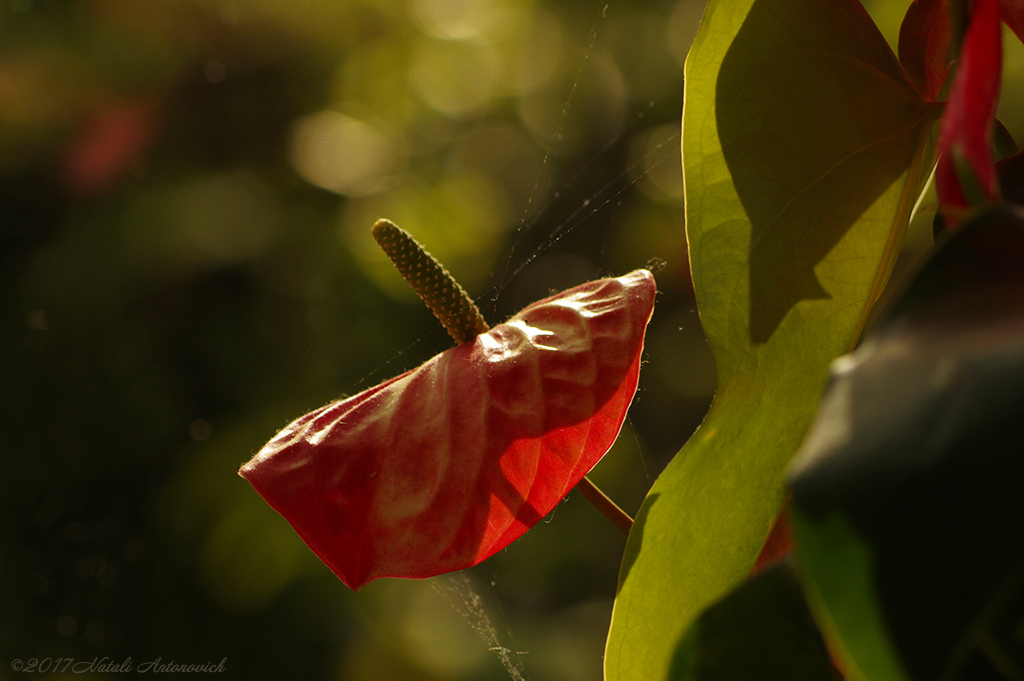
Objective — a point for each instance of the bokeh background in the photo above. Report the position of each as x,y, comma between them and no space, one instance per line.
186,191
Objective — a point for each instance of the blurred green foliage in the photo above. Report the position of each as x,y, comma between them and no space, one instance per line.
186,191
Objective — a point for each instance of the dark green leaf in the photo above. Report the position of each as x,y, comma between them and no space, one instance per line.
761,631
916,462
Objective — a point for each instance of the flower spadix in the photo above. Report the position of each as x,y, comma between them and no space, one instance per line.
438,468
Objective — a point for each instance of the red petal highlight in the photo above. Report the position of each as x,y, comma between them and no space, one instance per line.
965,161
439,468
924,46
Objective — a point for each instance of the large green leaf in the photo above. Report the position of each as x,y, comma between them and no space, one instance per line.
804,148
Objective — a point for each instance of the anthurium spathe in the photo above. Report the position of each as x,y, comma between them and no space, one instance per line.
439,468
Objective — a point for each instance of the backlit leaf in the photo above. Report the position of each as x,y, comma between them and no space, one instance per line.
439,468
804,149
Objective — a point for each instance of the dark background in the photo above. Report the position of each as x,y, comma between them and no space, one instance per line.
186,191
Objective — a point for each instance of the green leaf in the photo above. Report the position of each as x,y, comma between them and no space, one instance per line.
804,149
762,630
843,596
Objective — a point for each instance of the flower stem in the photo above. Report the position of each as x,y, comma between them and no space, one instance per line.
604,505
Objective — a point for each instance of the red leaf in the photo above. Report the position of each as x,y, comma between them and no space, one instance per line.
965,176
924,45
1012,12
441,467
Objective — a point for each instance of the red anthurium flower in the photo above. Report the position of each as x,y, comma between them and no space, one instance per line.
441,467
965,177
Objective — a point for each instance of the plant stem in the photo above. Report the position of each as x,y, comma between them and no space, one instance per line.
604,505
